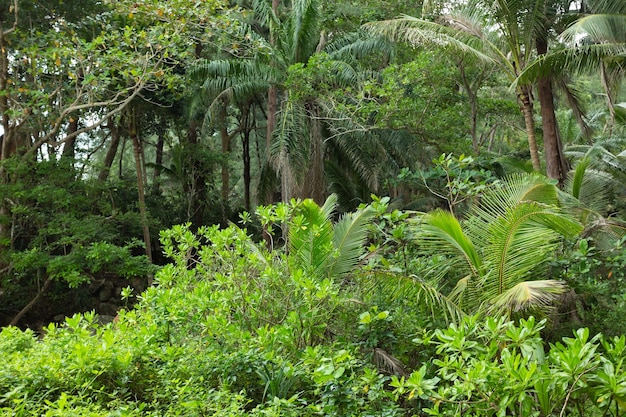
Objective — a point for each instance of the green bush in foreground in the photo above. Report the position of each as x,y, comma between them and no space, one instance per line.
234,329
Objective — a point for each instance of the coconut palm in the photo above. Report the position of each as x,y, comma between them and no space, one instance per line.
501,34
595,41
501,251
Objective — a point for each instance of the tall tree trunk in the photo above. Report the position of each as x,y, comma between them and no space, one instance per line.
198,188
606,84
315,186
158,162
225,143
120,167
245,151
134,135
529,121
272,106
473,99
556,165
111,151
7,137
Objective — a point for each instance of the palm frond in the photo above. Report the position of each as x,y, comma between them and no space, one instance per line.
422,32
426,292
574,99
304,30
527,295
310,238
264,14
291,147
597,28
579,59
348,241
516,188
440,231
357,48
388,363
590,187
519,242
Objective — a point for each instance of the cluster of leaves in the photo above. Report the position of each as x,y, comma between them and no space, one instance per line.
497,368
597,275
230,328
70,235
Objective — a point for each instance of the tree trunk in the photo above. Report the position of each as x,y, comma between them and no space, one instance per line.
111,152
315,186
245,151
606,85
140,183
197,188
69,147
158,162
473,99
272,104
556,166
7,137
529,121
225,143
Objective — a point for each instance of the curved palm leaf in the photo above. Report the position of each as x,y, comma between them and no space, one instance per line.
527,295
348,241
321,249
505,243
310,237
441,231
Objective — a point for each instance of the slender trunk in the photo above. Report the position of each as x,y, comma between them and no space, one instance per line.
144,169
272,98
197,188
473,99
225,142
120,173
272,104
7,137
140,182
315,186
604,77
111,152
245,150
158,162
556,166
529,121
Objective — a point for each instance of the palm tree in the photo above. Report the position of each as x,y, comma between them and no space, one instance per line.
501,34
500,251
226,85
595,41
321,249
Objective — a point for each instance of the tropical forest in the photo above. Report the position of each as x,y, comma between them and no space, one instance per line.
285,208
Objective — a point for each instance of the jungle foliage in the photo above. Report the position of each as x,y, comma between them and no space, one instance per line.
304,208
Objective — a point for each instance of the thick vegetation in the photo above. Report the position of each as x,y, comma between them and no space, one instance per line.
440,219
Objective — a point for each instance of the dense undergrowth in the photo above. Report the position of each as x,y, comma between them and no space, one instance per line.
235,327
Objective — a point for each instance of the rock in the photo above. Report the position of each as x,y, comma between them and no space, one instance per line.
138,285
106,292
107,309
104,319
59,318
95,285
